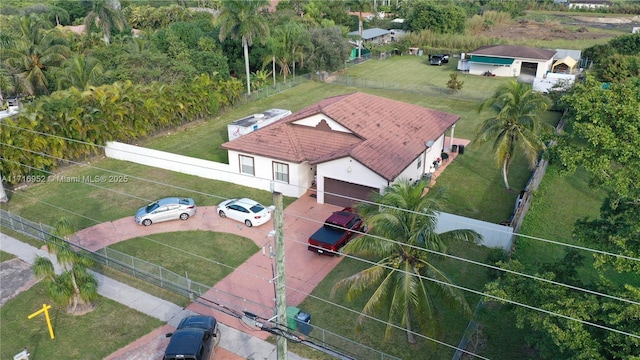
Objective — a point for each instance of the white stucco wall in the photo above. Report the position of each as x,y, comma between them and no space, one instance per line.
502,71
493,235
207,169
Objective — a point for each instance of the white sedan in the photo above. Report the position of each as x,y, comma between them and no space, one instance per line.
247,211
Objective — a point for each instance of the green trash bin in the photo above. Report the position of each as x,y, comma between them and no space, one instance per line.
292,313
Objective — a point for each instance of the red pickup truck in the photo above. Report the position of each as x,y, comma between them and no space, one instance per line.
337,230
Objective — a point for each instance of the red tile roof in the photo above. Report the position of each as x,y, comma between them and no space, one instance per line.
386,135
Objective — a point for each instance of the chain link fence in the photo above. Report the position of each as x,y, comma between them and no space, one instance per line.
133,266
182,285
425,90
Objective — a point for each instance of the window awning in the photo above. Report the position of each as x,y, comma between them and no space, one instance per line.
491,60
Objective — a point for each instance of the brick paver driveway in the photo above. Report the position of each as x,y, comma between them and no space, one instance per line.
251,281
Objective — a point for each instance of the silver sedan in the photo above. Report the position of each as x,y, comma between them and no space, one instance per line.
171,208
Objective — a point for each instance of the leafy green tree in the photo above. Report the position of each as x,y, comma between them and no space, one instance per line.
618,67
402,225
552,337
515,120
75,286
242,19
626,44
105,15
436,16
330,49
603,136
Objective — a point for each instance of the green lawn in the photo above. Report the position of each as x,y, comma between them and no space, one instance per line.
452,322
95,335
205,256
473,187
4,256
86,204
559,202
412,72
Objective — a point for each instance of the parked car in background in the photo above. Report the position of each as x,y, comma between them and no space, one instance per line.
170,208
194,339
336,231
247,211
439,59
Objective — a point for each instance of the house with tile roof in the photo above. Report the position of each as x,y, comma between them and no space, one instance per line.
510,61
347,146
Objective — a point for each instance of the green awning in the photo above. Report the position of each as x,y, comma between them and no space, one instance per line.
491,60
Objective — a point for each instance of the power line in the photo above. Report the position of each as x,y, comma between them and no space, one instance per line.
477,263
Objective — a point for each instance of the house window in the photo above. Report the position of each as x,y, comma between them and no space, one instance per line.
246,165
281,172
419,162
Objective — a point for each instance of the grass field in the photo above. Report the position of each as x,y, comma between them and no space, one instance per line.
86,204
452,321
5,256
92,336
473,186
205,256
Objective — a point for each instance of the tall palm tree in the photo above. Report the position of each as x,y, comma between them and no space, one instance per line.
241,18
402,225
273,47
516,111
75,286
105,14
37,48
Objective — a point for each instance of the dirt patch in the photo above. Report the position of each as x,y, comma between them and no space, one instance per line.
607,20
530,30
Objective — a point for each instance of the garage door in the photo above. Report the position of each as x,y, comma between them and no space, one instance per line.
336,190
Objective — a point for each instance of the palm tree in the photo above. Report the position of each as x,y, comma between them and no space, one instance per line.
105,14
80,71
402,225
516,107
75,286
273,47
37,48
241,18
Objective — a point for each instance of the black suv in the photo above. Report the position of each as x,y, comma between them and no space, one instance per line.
194,339
439,59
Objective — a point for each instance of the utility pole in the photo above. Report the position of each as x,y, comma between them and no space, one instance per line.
281,299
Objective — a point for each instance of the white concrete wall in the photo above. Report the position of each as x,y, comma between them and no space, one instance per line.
205,168
543,67
493,235
502,71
